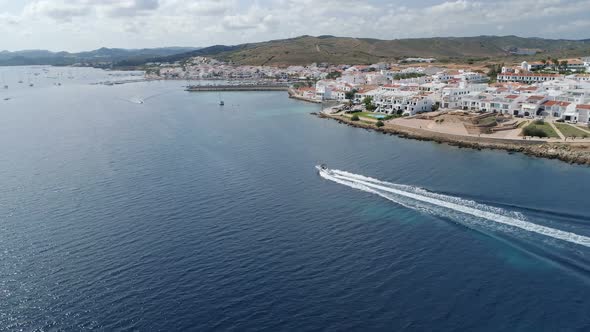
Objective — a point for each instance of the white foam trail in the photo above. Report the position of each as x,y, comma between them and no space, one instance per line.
374,186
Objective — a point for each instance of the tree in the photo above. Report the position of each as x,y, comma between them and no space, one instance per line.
543,61
350,94
494,71
435,107
334,75
368,101
555,63
380,124
563,65
355,118
533,131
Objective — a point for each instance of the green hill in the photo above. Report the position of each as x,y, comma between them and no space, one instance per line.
341,50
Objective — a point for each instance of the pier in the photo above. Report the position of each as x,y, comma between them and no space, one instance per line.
265,87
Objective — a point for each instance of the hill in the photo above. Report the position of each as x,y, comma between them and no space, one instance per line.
341,50
99,56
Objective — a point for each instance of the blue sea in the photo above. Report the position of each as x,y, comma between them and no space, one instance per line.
142,207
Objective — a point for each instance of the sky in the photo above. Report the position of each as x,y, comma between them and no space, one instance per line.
80,25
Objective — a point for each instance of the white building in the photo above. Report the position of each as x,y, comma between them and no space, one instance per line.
402,102
528,78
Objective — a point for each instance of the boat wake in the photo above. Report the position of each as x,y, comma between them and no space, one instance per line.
468,213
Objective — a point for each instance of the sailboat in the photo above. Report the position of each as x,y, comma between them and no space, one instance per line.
29,79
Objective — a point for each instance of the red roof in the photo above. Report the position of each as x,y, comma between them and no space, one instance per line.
511,97
583,107
532,75
554,102
536,98
365,90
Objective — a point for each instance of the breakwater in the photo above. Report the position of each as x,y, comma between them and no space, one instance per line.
266,87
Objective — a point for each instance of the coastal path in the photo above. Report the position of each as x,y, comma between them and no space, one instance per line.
562,136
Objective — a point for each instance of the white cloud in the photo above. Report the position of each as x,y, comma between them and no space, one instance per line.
58,10
83,24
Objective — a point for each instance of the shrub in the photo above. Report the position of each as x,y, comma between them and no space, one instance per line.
539,122
380,123
355,118
532,131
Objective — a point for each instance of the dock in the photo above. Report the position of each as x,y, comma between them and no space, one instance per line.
250,87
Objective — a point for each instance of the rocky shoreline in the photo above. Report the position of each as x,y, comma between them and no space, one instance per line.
570,153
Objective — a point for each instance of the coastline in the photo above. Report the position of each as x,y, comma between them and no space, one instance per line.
573,153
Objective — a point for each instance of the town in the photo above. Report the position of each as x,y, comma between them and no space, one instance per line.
550,97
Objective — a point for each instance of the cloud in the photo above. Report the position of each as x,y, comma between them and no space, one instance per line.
144,23
9,20
132,7
200,8
67,10
63,11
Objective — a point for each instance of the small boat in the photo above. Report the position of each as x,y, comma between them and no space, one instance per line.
323,168
6,87
221,103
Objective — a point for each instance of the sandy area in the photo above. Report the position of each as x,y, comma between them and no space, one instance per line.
454,125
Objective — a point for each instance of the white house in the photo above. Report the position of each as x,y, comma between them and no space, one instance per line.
452,95
583,114
531,66
555,109
531,106
528,78
402,102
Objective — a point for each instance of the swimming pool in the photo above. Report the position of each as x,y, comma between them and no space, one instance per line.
378,116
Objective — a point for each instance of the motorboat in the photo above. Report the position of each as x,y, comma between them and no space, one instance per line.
323,168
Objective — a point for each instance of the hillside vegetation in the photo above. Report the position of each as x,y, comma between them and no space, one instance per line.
341,50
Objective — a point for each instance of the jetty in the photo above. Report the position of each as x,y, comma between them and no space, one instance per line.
242,87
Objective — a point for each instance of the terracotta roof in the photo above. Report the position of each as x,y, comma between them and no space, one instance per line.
535,98
511,97
583,107
554,102
365,90
574,62
530,74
